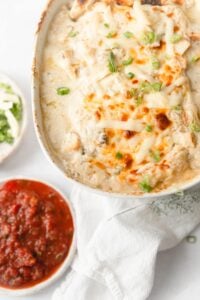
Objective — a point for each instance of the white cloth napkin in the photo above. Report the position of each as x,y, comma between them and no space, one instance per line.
118,241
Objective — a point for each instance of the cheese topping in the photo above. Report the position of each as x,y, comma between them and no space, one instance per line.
118,104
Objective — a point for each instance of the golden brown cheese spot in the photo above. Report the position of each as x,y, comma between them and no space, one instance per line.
128,95
162,121
141,61
128,16
110,133
145,110
167,79
97,115
161,47
124,117
135,81
132,107
194,36
152,2
125,2
106,97
179,2
129,134
128,160
170,15
169,73
98,164
176,28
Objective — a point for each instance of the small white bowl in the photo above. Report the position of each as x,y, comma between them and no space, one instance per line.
7,149
17,292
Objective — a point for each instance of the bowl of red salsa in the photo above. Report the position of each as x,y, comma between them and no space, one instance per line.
37,239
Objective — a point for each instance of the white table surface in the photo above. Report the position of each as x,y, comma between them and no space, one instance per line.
178,270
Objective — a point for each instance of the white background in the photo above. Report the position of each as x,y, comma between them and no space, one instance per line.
178,270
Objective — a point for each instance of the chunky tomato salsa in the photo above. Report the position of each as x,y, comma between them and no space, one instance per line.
36,231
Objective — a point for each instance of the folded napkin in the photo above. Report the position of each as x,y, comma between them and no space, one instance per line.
118,241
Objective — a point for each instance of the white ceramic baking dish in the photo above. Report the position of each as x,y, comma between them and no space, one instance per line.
49,12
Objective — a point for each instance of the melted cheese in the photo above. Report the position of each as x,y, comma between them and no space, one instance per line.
130,104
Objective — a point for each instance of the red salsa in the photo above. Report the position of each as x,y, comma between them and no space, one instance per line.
36,231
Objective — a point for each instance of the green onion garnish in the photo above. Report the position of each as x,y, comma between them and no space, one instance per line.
106,25
194,127
5,135
119,155
128,34
155,155
195,59
147,87
72,33
148,128
139,100
145,185
17,110
149,37
61,91
155,63
130,75
6,87
177,107
175,38
128,61
157,86
111,63
111,34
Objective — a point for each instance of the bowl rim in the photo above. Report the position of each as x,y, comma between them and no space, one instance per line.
43,140
23,125
67,261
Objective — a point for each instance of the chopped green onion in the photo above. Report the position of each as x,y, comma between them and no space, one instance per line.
17,110
72,33
111,34
5,135
177,107
145,185
119,155
194,127
148,128
149,37
157,86
191,239
130,75
106,25
175,38
128,34
111,63
155,155
6,87
139,100
128,61
155,63
61,91
133,92
195,59
147,87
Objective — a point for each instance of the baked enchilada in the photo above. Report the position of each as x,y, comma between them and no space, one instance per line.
120,93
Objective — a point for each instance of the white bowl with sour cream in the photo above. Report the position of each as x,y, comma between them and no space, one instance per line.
12,116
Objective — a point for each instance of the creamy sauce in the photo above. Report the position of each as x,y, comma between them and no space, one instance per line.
120,94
